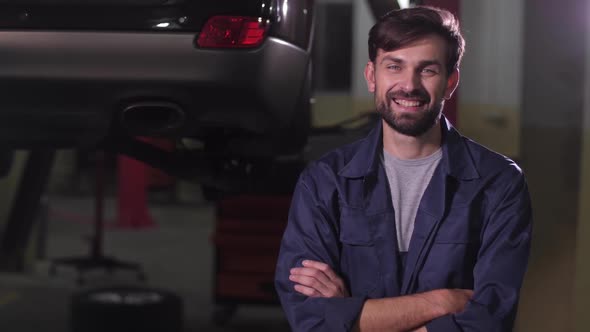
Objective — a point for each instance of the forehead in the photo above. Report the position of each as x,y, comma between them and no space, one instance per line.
429,48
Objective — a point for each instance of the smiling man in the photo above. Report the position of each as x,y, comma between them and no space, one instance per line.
414,227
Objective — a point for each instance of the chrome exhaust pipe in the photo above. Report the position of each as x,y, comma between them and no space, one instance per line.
152,117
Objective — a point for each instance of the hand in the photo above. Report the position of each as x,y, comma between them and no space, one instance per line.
453,301
316,279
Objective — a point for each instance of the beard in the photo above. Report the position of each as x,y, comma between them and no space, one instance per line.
410,124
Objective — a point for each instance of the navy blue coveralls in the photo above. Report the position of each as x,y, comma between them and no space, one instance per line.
472,231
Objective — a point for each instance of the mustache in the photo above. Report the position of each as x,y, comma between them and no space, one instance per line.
414,94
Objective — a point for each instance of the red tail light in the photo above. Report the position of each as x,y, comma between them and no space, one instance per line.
232,32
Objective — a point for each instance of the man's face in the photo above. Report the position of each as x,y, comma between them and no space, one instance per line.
410,85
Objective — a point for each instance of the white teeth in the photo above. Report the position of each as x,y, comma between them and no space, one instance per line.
408,103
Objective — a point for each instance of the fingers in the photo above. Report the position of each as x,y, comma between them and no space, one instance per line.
317,279
309,291
336,285
325,268
459,299
466,292
310,282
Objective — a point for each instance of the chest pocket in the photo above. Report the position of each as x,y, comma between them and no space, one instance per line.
454,251
358,257
355,228
461,225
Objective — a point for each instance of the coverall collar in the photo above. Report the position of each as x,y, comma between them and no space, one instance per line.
456,161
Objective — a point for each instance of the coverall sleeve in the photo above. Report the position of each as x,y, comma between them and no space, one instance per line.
312,233
501,263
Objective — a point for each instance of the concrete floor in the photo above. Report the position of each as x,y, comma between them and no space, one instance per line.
176,255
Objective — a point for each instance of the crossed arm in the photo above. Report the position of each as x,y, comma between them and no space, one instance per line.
403,313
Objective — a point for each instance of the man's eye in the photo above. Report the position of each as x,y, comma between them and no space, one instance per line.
429,71
394,67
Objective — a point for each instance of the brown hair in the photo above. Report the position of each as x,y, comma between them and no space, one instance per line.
399,28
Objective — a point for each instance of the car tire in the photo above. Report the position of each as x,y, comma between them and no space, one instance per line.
222,314
211,193
126,308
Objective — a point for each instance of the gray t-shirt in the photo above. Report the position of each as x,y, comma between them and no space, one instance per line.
408,179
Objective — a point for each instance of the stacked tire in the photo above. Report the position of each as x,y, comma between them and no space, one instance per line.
126,308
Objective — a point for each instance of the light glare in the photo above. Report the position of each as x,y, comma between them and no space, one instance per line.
403,3
285,7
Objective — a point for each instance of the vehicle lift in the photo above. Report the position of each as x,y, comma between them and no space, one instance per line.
251,216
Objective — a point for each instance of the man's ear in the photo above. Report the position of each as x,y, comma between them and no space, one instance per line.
370,76
452,83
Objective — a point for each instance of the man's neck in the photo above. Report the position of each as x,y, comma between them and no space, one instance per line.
409,147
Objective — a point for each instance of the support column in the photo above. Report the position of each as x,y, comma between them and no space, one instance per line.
23,214
555,55
582,276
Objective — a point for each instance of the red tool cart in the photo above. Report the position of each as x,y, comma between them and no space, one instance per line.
247,238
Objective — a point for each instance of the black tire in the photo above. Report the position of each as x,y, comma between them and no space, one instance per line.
126,308
211,193
222,314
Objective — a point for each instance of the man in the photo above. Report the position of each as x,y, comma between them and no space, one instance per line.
414,227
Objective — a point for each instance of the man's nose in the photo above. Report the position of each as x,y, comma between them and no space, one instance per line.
411,81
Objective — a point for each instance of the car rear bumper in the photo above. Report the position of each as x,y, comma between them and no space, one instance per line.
66,88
